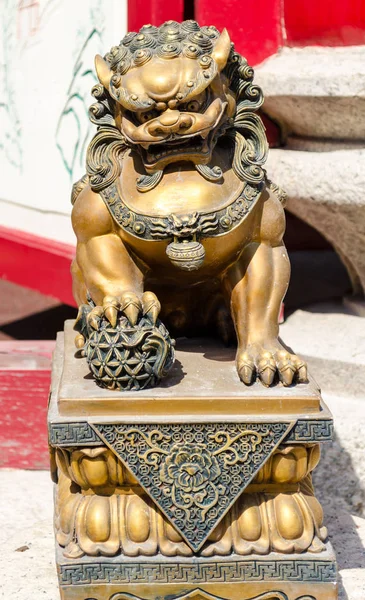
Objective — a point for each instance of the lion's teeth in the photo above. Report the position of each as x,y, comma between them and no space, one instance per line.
176,149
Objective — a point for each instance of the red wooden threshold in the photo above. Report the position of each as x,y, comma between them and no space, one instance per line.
37,263
25,376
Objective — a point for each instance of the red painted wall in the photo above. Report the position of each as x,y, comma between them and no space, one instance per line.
260,27
254,26
324,23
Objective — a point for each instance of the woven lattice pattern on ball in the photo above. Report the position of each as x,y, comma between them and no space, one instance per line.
129,357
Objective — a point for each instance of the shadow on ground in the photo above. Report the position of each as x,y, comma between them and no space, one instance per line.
339,491
42,325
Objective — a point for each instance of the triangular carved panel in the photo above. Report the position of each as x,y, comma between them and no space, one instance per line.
194,472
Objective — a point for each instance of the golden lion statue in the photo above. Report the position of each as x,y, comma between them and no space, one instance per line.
176,214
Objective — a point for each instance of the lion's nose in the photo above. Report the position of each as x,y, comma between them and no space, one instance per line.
169,117
170,121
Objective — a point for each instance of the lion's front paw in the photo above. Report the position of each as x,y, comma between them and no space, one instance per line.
125,344
129,304
256,361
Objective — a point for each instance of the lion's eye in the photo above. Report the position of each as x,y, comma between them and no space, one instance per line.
147,116
192,106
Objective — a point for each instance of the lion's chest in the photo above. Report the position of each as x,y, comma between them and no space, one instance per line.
185,217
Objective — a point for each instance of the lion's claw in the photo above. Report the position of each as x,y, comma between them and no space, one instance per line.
266,368
110,307
302,371
131,306
286,367
246,368
151,306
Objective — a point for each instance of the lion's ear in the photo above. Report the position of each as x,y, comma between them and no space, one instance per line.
222,49
103,71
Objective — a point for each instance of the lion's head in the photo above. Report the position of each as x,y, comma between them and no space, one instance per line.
170,93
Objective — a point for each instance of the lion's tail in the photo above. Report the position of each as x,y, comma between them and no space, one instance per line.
78,187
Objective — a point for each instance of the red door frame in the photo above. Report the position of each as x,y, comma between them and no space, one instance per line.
260,27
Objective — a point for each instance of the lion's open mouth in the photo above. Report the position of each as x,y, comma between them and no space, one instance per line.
187,146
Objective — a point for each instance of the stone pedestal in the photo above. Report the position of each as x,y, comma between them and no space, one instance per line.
200,488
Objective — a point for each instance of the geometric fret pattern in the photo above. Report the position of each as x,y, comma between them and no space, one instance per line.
306,570
82,434
72,434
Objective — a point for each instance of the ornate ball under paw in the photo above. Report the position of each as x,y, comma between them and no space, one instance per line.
129,357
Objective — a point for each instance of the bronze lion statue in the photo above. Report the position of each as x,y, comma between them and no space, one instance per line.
175,216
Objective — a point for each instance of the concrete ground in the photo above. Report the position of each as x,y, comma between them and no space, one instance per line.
332,338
